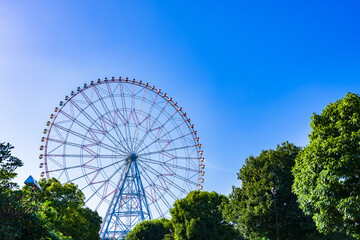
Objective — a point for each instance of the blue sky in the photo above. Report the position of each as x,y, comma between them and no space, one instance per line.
248,73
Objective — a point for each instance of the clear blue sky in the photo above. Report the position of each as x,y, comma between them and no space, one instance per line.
248,73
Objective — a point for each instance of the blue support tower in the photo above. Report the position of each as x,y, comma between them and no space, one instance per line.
129,205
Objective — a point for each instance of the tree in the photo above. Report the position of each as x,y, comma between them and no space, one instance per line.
81,223
57,212
197,216
327,171
8,165
151,230
61,196
18,217
63,207
251,206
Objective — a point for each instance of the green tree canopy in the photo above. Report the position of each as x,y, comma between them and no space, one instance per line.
61,196
57,212
327,171
151,230
8,165
251,206
64,208
197,217
18,216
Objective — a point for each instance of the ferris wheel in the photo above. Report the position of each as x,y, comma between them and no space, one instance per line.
129,147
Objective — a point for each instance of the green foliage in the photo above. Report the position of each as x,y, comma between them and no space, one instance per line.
81,223
198,217
151,230
54,235
61,196
169,236
327,171
251,206
8,165
63,207
57,212
18,216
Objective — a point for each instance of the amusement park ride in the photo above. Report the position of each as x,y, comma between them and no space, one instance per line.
129,147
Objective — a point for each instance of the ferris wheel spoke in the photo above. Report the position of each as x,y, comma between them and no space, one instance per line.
89,173
181,137
168,132
120,135
81,156
149,119
165,178
107,111
88,129
152,161
138,92
140,116
165,150
87,147
59,134
72,110
99,204
72,118
173,175
185,179
105,107
161,191
55,148
170,119
64,168
159,114
115,107
157,207
152,125
152,183
133,97
102,185
152,186
127,126
94,122
55,162
108,147
169,141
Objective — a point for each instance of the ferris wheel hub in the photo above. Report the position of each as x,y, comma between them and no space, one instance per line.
133,156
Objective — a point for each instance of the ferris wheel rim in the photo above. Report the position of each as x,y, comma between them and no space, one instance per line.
158,93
